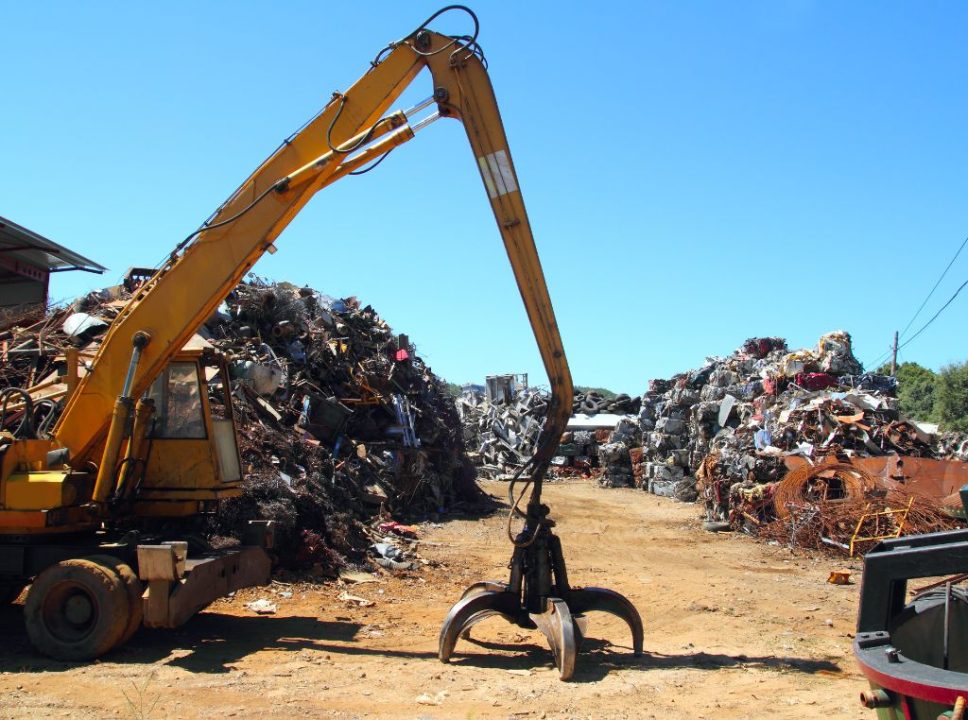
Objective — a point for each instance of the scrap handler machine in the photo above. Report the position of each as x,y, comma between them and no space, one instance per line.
913,647
88,513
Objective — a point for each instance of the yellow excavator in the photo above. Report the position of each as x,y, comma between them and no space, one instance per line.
87,513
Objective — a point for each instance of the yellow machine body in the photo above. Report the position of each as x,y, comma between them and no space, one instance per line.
190,461
39,490
171,475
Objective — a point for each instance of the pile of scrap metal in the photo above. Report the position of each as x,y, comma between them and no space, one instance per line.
680,416
502,421
741,425
615,456
501,431
838,503
340,419
579,453
598,440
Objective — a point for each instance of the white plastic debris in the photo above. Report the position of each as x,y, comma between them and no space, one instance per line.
437,699
79,324
262,606
354,599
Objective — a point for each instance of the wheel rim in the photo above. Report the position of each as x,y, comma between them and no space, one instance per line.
70,612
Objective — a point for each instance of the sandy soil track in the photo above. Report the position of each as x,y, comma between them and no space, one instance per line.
734,629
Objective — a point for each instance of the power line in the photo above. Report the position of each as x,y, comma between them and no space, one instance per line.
914,317
935,316
874,365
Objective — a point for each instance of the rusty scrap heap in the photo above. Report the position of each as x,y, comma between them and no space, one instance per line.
741,425
339,418
501,430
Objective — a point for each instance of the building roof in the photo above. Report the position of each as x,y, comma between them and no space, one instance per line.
20,244
592,422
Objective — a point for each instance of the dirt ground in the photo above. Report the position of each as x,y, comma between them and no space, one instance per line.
733,629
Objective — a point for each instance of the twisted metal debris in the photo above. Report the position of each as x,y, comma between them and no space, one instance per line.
772,442
340,419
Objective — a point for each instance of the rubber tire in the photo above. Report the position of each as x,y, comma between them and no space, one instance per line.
134,589
49,631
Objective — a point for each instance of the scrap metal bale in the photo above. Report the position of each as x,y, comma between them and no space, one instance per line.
685,397
583,437
712,393
836,354
613,452
669,425
685,490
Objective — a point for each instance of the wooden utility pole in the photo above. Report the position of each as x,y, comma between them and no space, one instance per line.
894,356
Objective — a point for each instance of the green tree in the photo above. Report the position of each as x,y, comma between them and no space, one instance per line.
951,397
915,390
453,389
604,392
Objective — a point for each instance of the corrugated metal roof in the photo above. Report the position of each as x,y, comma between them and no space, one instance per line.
19,243
591,422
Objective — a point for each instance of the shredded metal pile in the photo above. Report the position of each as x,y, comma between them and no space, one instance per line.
777,440
339,420
501,433
753,406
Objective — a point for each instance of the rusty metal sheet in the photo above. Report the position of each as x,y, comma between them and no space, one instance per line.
929,478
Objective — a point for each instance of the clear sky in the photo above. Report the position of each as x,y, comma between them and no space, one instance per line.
695,173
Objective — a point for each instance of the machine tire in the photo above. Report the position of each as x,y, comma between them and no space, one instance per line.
132,586
76,610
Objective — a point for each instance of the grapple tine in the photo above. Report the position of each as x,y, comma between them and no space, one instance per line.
484,586
559,628
583,600
470,610
477,589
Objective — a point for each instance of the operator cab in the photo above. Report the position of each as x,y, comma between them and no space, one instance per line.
193,458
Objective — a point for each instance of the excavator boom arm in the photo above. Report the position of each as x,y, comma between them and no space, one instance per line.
351,129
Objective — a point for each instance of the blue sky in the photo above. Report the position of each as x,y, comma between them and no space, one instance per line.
695,173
